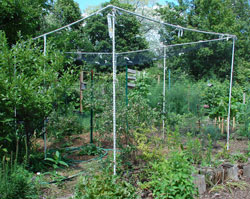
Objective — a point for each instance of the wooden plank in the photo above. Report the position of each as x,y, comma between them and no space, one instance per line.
130,85
131,78
131,71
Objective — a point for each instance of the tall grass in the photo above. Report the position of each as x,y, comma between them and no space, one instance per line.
16,181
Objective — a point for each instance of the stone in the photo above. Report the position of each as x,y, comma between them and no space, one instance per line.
246,171
213,175
219,175
199,181
232,173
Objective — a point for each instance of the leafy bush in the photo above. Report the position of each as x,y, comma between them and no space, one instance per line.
148,146
243,116
29,83
213,131
183,97
104,186
61,125
57,160
17,183
172,178
193,150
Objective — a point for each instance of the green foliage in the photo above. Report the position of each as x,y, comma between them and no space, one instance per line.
211,131
216,96
104,186
22,16
172,178
90,149
243,115
239,158
66,12
128,35
64,124
193,150
29,82
147,144
57,160
183,97
218,16
17,183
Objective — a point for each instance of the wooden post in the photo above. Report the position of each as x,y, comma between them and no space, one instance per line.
227,124
222,125
233,123
81,96
219,122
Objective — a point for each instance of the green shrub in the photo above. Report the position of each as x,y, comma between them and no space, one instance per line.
104,186
172,178
61,125
193,150
17,183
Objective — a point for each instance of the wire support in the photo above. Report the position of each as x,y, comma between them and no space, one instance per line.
138,15
172,25
149,49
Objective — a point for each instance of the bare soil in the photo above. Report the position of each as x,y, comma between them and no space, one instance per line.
65,190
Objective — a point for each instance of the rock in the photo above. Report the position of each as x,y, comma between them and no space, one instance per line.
213,175
246,171
232,173
199,181
219,175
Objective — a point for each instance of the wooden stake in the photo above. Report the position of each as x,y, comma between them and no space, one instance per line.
81,96
219,122
222,125
233,123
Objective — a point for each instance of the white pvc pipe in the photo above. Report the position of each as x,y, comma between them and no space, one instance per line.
230,94
114,93
164,93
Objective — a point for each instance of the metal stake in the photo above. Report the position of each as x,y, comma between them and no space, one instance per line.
91,111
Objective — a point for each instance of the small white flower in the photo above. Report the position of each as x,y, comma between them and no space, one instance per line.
38,173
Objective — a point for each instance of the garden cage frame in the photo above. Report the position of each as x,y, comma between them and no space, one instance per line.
112,34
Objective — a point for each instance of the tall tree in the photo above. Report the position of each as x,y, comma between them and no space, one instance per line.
24,16
128,35
218,16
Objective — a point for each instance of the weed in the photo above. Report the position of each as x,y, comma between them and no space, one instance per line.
56,160
171,178
104,186
17,183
